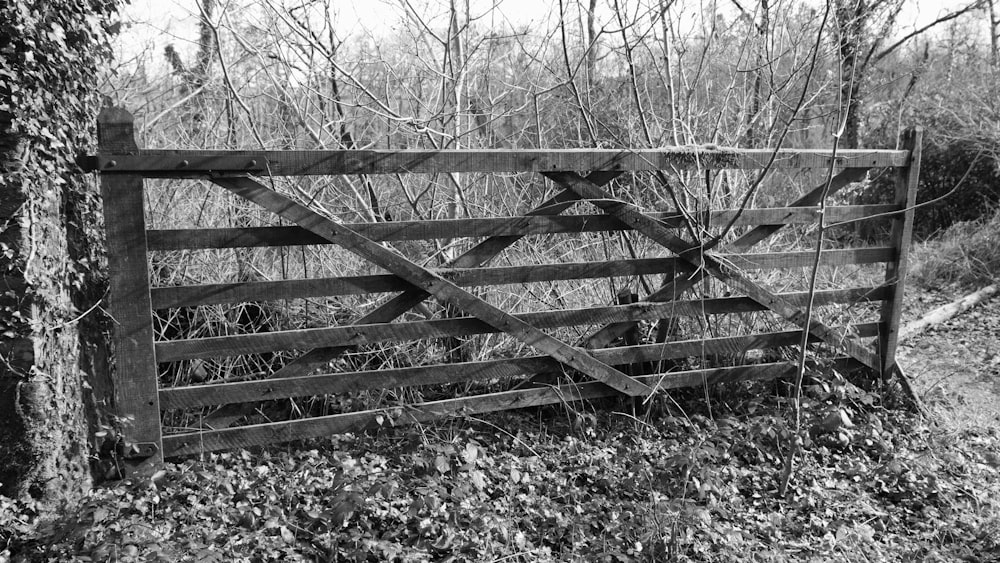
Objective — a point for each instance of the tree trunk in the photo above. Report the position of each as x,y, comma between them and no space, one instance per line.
855,106
851,20
206,44
757,96
591,47
43,423
52,332
994,48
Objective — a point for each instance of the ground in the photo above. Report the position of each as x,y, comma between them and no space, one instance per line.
956,365
603,484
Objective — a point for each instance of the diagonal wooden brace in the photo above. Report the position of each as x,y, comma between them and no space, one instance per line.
390,310
689,275
400,304
432,283
632,216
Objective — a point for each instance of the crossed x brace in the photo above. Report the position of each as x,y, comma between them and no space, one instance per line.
428,283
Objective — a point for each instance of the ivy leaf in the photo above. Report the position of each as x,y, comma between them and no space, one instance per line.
100,515
442,464
478,479
470,453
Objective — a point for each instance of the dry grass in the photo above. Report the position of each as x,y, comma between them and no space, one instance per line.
967,255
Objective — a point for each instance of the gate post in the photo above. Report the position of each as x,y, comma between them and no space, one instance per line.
135,374
902,231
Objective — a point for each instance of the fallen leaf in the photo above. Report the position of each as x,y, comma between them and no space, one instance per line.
442,464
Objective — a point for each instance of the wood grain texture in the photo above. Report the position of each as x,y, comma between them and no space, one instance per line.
181,239
123,165
484,251
371,333
214,294
193,164
260,434
476,256
135,377
432,283
712,265
900,237
811,198
347,382
689,275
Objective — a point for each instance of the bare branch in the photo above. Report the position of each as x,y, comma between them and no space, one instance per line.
889,50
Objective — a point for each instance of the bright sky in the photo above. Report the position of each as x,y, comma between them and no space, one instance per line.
163,22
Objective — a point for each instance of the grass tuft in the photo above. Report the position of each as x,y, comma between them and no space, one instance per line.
967,255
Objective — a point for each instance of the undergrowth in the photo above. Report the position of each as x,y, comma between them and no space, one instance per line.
966,255
563,484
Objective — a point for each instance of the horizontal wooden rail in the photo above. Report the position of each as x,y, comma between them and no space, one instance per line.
181,239
261,434
332,383
194,164
215,294
406,276
209,294
193,239
353,335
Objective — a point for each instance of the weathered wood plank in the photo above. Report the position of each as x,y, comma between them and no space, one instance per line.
191,164
333,383
787,260
400,304
464,277
900,237
475,256
432,283
362,334
346,382
811,198
181,239
711,264
135,377
260,434
213,294
688,276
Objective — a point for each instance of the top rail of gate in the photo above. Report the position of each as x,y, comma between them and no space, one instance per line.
197,163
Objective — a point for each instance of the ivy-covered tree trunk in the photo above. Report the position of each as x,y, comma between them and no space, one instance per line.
53,357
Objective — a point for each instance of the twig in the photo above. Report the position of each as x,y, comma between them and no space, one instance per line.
781,138
796,440
226,78
571,82
81,315
950,192
495,427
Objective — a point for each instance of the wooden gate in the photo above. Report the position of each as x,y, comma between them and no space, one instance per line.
610,360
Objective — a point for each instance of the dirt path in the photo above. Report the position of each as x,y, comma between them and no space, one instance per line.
955,366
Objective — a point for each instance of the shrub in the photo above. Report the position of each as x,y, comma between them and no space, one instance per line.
959,182
960,166
966,254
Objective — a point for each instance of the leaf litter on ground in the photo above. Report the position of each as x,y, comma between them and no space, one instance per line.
873,484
